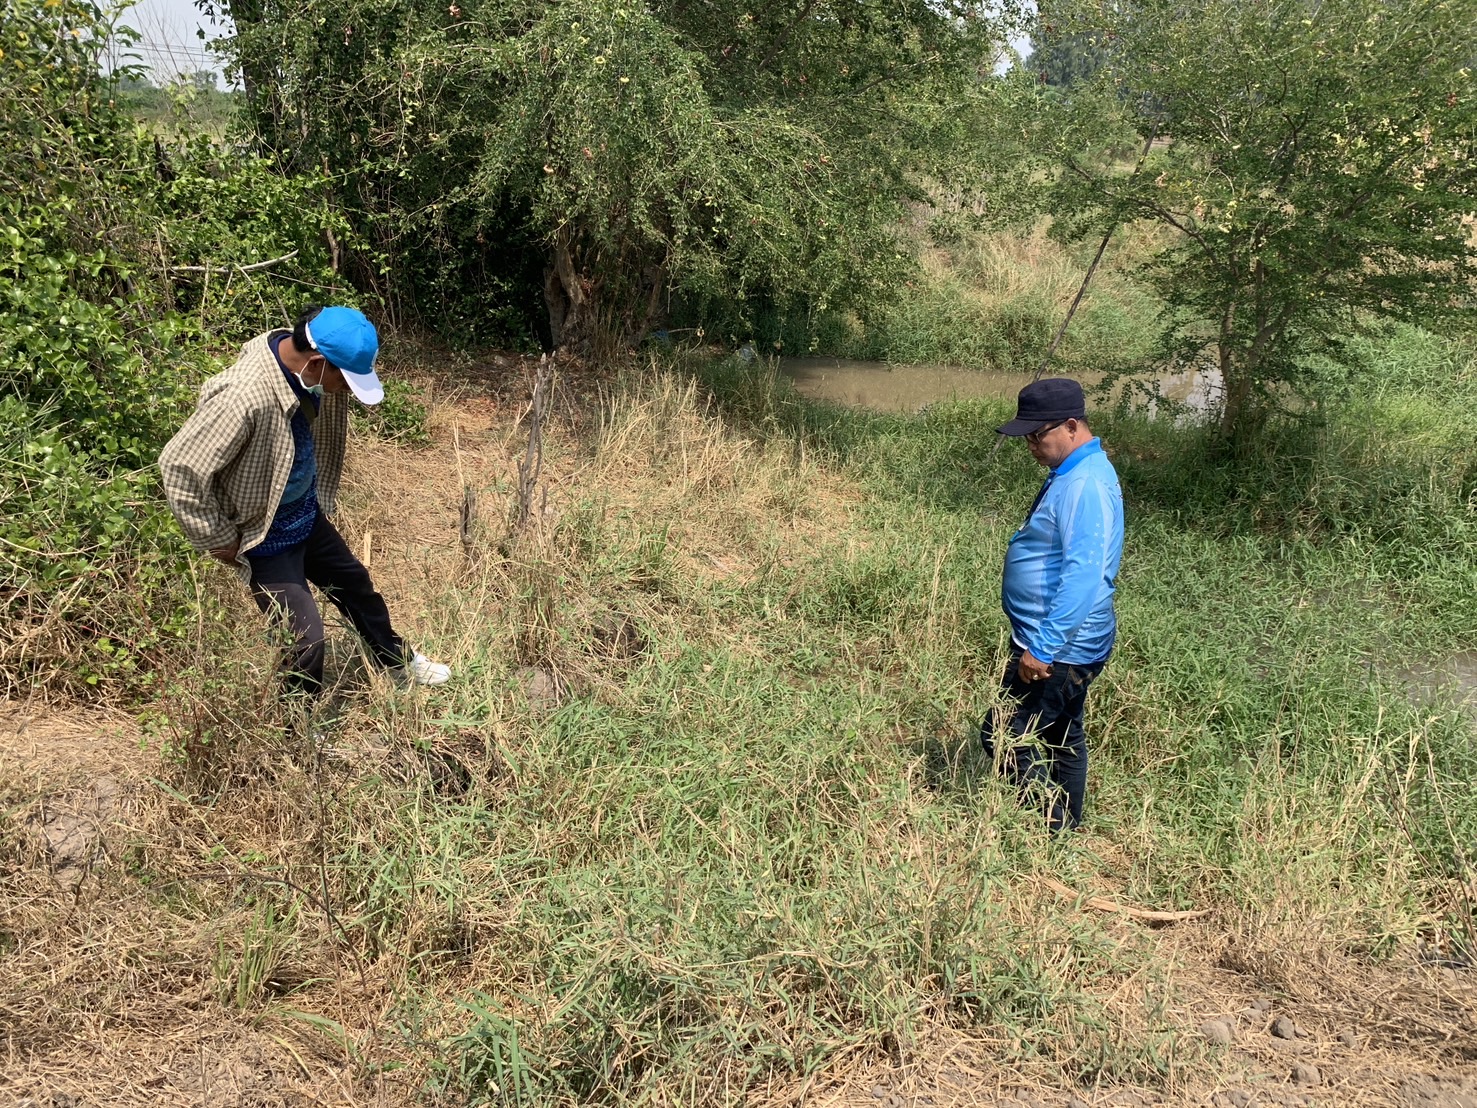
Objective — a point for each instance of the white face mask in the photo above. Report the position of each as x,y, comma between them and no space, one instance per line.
314,390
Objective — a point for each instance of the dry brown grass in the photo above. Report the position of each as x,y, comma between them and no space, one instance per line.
107,992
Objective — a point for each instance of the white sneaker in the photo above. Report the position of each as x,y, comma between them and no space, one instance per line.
420,670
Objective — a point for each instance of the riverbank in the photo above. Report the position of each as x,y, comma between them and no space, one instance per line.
702,819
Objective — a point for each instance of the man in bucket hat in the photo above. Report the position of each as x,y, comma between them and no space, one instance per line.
253,473
1057,591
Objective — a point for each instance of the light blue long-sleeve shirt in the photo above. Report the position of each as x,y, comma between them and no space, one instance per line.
1060,566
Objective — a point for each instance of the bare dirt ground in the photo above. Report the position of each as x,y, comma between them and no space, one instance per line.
103,999
106,1000
1342,1033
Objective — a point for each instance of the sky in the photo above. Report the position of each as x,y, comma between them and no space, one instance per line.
171,45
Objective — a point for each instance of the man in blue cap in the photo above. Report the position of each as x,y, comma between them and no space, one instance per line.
1057,591
253,474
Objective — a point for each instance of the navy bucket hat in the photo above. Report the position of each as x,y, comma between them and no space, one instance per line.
1049,400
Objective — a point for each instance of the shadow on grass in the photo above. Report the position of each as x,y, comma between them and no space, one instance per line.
952,763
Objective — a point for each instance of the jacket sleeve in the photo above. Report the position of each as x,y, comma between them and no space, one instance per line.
191,464
330,441
1084,522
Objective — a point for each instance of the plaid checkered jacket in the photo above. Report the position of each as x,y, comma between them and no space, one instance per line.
225,469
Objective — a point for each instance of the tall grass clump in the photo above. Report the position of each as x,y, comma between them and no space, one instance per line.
1277,615
737,869
729,838
704,817
751,838
764,844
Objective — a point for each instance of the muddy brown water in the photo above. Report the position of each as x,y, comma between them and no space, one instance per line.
885,387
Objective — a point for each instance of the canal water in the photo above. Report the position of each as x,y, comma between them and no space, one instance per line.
907,388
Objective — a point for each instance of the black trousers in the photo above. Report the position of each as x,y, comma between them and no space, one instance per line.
279,584
1043,746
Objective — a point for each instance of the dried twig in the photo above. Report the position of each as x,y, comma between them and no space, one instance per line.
533,457
467,521
1103,904
252,268
466,526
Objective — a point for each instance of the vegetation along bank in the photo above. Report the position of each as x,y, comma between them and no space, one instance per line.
703,818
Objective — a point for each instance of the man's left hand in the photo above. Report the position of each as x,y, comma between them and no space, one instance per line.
1032,668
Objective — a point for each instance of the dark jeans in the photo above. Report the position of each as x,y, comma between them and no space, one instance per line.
1044,746
279,583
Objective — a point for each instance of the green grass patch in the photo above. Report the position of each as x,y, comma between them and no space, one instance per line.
752,839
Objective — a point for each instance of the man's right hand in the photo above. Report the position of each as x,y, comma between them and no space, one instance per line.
1032,668
226,555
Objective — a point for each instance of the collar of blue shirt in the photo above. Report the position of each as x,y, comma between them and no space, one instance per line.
1088,448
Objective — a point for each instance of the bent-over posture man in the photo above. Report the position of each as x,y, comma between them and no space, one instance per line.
252,477
1057,591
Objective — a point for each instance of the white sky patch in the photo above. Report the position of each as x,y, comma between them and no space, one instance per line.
171,45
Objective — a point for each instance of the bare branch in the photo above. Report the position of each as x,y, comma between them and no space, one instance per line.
252,268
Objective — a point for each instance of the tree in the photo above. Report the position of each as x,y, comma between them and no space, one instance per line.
1062,61
1319,169
727,150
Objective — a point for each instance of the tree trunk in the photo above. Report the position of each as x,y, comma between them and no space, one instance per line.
639,323
258,78
568,299
1235,387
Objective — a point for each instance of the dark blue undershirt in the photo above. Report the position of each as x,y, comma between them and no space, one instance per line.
298,509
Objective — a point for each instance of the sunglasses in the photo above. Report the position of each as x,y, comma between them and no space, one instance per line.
1040,432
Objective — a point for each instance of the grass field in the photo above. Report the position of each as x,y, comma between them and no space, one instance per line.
703,819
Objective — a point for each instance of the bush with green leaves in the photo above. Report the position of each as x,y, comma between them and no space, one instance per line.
86,394
716,152
60,349
401,416
105,235
1316,170
79,284
90,566
247,245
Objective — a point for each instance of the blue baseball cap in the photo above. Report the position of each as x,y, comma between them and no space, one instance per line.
349,341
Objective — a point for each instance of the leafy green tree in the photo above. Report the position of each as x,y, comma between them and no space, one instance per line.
1319,169
1062,61
75,267
724,150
